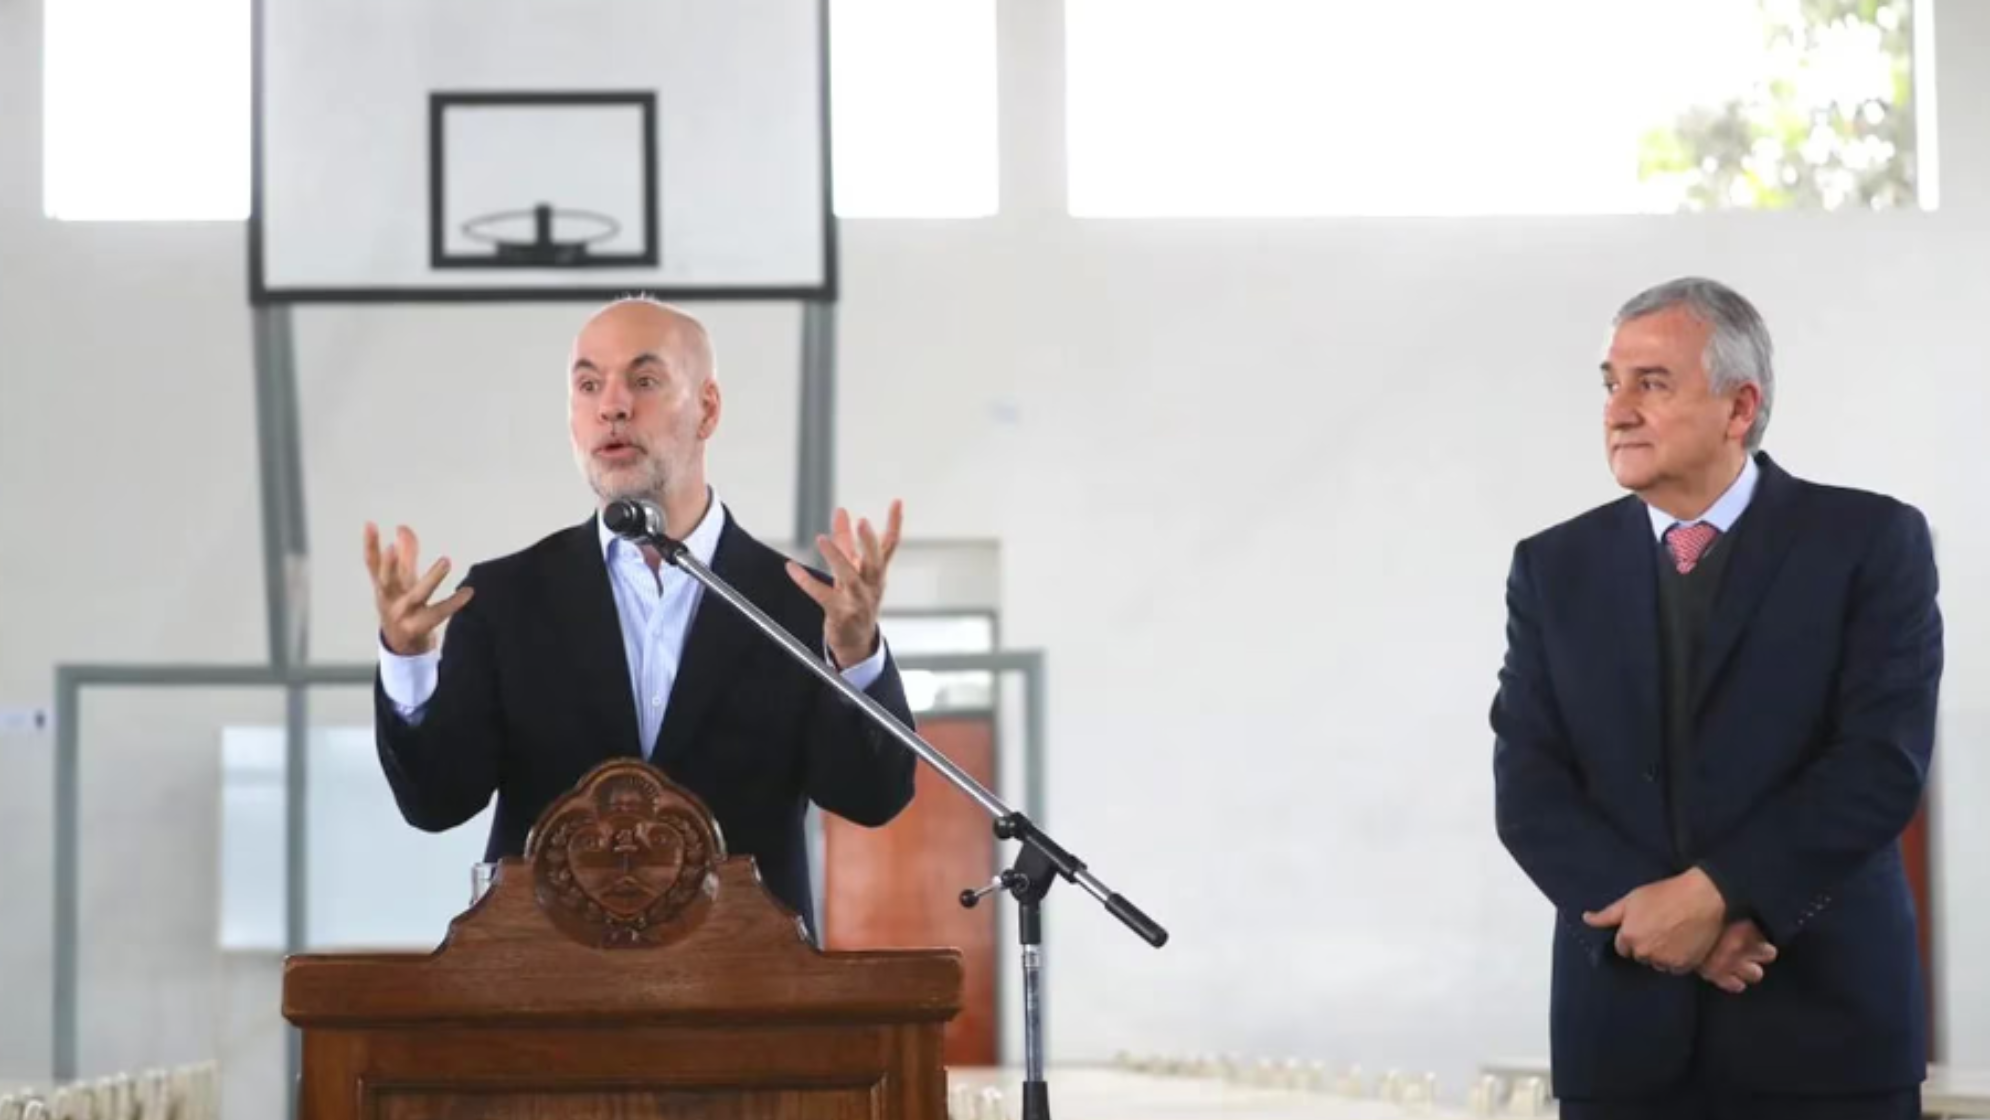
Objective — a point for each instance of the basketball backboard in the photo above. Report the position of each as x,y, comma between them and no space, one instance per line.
466,150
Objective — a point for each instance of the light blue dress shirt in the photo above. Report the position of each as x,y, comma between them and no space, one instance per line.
1723,513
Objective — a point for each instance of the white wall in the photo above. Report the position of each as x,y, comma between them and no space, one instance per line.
1260,518
1255,483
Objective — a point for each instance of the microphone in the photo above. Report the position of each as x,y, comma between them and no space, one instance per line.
641,521
635,519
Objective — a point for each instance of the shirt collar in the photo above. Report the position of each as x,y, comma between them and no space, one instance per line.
1723,513
702,543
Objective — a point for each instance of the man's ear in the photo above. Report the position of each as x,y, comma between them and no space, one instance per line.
1743,410
710,404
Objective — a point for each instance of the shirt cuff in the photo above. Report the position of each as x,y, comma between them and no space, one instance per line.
864,673
409,682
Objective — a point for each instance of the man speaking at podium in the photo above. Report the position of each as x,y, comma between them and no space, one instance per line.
585,647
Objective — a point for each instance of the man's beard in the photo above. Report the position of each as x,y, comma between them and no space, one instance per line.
648,477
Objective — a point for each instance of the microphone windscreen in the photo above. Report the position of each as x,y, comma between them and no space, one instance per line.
624,517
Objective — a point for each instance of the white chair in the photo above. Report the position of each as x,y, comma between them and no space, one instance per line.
1488,1094
1391,1087
1316,1078
181,1095
154,1095
1530,1098
107,1100
1420,1094
210,1086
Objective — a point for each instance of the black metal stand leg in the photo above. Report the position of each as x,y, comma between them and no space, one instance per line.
1029,881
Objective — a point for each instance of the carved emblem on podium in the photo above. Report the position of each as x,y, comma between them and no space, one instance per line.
628,860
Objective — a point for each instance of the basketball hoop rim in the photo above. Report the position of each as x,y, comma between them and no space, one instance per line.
471,230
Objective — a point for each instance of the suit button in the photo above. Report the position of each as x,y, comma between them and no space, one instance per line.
1650,774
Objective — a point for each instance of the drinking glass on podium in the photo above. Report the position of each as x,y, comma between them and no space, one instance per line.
481,877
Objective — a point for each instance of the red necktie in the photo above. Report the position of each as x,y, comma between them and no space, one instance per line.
1688,543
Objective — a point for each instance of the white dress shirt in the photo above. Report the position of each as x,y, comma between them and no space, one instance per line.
655,609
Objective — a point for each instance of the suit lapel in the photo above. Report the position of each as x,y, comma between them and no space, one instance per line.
1766,531
1631,612
719,638
593,639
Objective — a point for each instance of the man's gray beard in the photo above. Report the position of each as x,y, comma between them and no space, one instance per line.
650,483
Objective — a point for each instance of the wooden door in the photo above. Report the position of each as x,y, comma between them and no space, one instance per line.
1914,853
899,886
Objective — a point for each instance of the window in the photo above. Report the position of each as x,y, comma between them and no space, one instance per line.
1439,107
913,97
912,633
147,109
372,882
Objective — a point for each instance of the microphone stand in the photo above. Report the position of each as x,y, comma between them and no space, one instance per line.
1039,863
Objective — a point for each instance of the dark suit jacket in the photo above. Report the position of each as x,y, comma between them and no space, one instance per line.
1814,715
533,691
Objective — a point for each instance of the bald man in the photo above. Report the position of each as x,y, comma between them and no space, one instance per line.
585,647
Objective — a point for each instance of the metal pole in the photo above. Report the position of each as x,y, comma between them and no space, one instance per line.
815,498
815,460
296,823
68,792
282,474
1036,1005
286,570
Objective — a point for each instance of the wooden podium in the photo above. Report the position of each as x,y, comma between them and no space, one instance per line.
624,969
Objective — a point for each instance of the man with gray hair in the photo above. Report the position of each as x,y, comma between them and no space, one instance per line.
586,647
1714,722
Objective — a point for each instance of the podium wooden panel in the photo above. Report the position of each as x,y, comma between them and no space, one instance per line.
624,969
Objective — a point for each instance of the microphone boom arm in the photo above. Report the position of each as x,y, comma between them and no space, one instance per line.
1009,824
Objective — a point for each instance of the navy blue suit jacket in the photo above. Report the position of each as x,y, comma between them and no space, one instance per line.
533,692
1813,730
